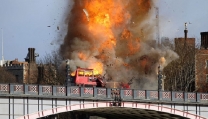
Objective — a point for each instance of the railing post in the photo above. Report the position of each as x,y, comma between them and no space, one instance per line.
198,97
11,89
108,93
185,94
94,92
81,91
160,95
68,88
121,91
173,96
54,90
147,93
25,89
133,94
40,90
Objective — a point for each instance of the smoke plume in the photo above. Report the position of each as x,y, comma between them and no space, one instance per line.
116,38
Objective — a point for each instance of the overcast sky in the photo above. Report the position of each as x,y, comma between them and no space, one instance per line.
33,23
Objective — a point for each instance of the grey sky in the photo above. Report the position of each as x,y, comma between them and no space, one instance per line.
174,13
25,23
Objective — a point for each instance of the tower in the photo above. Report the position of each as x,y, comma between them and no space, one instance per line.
2,48
32,67
157,25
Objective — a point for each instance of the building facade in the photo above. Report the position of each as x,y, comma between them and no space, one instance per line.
201,64
18,69
184,43
184,73
26,71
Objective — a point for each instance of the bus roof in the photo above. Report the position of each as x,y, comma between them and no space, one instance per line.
84,69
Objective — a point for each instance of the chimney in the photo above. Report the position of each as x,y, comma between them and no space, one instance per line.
185,31
204,40
31,55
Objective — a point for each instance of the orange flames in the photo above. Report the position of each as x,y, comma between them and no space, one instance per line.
82,56
104,16
107,26
105,13
97,68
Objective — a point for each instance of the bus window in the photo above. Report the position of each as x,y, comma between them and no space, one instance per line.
91,74
88,73
80,73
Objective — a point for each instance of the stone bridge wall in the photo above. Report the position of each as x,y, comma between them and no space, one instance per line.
100,93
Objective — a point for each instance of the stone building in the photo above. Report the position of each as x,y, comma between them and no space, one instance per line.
201,64
25,72
29,72
18,69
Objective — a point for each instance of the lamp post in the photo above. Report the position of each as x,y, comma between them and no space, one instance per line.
160,79
68,71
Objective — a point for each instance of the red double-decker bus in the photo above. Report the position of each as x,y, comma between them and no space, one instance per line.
85,77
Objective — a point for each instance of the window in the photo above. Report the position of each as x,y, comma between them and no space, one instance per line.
207,78
88,73
206,63
80,73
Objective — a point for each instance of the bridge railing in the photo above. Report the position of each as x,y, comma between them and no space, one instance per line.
101,93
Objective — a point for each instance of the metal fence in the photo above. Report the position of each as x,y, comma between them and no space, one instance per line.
100,93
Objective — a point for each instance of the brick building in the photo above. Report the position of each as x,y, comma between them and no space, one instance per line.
180,73
185,48
201,64
184,43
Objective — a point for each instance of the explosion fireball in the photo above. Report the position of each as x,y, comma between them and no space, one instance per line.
113,38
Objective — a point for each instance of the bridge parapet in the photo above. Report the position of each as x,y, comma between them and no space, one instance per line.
100,93
4,89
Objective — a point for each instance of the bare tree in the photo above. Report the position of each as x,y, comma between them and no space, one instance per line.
6,76
180,74
52,72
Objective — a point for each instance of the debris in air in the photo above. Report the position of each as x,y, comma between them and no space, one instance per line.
87,15
49,26
57,27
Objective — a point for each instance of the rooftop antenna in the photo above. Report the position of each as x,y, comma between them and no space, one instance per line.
2,53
